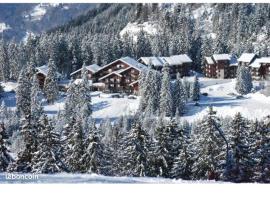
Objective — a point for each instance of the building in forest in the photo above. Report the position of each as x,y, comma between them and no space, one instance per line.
121,75
91,72
246,59
260,68
178,64
220,66
42,72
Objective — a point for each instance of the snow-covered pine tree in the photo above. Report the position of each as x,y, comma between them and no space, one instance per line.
243,81
241,150
187,86
5,157
208,148
182,164
23,162
50,84
178,96
45,159
71,103
75,149
4,62
107,130
166,104
262,170
195,90
135,151
23,90
84,92
94,158
36,107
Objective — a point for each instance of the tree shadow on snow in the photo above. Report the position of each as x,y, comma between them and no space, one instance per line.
100,105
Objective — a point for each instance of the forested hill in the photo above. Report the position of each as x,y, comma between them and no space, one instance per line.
110,31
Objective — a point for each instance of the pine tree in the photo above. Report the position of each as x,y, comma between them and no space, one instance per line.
23,162
135,152
94,158
208,148
50,85
4,62
178,96
165,105
5,157
195,89
45,159
240,145
75,149
36,107
243,81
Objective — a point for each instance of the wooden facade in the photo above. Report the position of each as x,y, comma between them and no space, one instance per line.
119,75
260,68
220,66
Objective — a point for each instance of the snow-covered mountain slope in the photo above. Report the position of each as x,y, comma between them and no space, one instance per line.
16,20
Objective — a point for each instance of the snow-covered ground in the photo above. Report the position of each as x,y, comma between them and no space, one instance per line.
221,95
92,178
3,27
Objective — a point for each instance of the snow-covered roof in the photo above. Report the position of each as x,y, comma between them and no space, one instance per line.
221,57
209,60
246,57
44,69
264,60
130,61
161,61
117,72
256,63
93,68
79,80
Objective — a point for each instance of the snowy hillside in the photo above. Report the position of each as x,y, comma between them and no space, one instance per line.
221,95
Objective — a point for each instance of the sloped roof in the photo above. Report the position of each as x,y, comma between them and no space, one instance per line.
209,60
117,72
93,68
256,63
221,57
161,61
128,60
44,69
264,60
246,57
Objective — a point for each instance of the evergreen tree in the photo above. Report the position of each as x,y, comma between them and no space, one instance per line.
195,89
36,107
4,62
50,85
5,157
178,96
208,148
240,145
243,81
165,105
45,159
135,152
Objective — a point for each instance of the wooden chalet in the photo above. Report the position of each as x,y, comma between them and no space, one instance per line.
42,72
260,68
178,64
220,66
121,75
91,71
246,59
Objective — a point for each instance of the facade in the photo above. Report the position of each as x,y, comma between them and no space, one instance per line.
121,75
91,71
178,64
42,74
220,66
260,68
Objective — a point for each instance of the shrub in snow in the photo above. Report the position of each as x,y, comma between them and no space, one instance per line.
243,81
